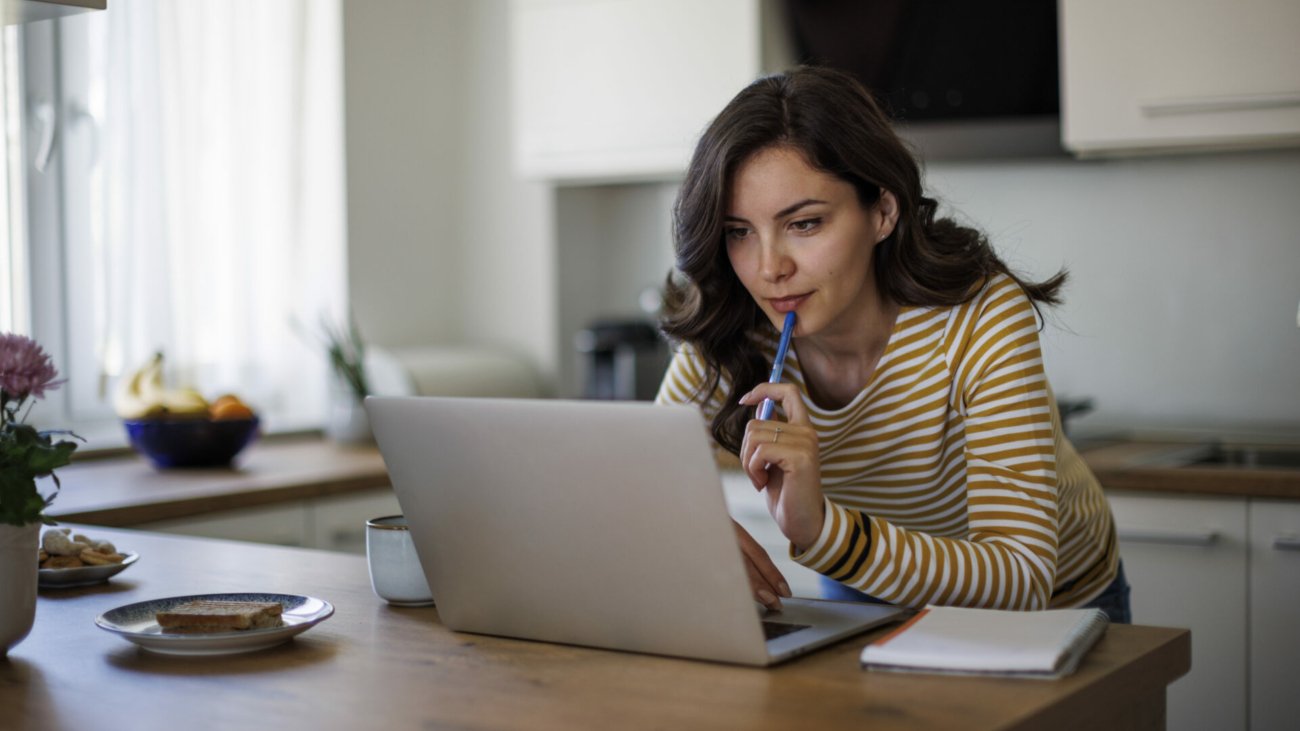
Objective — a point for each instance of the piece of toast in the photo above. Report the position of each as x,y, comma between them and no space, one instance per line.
205,617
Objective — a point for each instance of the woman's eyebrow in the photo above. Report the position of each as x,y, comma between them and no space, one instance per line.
780,214
791,209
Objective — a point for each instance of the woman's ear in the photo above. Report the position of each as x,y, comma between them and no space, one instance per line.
886,212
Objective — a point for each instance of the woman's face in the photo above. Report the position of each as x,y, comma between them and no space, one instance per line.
800,241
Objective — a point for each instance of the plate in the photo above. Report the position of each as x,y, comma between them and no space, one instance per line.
83,575
136,623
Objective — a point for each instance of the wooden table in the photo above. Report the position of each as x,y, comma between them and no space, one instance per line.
372,666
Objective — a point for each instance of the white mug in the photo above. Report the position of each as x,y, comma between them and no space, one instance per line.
395,571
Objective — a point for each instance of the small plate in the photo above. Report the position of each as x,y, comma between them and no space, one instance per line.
136,622
83,575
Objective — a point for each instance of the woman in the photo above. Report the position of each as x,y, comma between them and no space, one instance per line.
920,459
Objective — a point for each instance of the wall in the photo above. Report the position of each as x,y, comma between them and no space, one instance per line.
446,246
1185,279
401,111
614,241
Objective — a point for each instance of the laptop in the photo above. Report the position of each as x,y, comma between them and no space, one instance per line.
588,523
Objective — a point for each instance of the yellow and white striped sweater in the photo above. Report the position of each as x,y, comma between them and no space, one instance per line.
947,479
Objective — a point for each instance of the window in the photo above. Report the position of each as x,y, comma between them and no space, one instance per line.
13,252
192,201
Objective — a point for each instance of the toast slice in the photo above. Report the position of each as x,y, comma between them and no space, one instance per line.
204,617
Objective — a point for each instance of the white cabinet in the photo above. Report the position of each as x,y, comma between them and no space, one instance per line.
1149,75
334,523
283,524
1274,615
338,522
749,508
619,89
1185,559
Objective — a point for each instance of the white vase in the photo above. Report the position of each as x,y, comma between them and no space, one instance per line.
18,574
348,423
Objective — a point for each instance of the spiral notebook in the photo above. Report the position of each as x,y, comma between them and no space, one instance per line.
962,641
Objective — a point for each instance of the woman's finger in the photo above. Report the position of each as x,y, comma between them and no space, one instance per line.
764,593
785,394
768,570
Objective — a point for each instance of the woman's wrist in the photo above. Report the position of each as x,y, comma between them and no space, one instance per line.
806,534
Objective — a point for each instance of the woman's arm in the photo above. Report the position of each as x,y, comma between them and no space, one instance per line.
682,379
1008,559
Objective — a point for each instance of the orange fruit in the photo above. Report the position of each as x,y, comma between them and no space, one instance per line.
230,408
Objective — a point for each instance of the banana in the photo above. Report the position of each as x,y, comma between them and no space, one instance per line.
142,395
185,402
129,399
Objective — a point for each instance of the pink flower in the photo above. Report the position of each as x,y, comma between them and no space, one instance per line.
25,368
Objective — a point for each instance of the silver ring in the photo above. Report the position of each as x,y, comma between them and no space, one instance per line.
777,438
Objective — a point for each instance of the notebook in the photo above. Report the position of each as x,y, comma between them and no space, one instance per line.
962,641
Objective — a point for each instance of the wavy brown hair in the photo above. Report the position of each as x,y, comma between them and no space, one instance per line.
839,129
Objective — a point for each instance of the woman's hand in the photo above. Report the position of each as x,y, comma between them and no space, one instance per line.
764,578
784,458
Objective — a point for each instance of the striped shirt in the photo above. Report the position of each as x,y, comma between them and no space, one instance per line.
947,479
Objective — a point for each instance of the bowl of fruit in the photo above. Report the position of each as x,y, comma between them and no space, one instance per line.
178,427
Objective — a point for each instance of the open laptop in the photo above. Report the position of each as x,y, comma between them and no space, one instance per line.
587,523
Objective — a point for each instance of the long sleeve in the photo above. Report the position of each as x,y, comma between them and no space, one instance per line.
998,401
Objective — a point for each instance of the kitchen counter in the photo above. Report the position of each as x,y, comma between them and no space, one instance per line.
1163,467
372,665
126,491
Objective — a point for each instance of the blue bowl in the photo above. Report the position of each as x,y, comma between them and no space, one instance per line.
191,443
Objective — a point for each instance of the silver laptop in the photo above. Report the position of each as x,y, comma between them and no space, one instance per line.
587,523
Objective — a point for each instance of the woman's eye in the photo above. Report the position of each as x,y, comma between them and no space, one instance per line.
806,225
736,234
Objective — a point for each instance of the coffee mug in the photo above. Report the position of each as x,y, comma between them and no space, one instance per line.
395,571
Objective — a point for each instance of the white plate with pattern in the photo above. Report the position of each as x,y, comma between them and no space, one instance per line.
137,623
83,575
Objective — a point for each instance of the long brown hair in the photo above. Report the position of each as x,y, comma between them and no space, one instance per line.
839,129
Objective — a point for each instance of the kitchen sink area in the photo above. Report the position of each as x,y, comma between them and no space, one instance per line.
1219,466
1225,455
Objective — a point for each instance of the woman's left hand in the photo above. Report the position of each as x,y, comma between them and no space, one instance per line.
784,458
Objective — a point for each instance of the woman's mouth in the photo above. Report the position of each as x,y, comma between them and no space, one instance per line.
788,304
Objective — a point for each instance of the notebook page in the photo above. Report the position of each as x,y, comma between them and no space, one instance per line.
988,640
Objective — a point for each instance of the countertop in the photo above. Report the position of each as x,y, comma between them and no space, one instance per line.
1148,466
372,665
126,491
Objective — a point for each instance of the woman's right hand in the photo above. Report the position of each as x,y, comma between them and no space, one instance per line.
764,578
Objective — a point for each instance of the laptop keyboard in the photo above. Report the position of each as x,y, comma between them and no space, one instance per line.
773,630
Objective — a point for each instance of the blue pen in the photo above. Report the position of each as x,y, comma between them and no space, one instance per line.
765,409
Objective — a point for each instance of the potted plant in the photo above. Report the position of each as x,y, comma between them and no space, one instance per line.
348,423
25,455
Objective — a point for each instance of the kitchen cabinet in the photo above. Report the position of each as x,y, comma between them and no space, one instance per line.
338,522
13,12
333,523
1186,559
1176,75
282,524
620,89
1274,610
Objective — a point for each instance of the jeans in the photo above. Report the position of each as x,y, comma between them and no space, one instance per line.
1114,601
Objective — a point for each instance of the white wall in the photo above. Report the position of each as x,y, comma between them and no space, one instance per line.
613,242
402,109
1185,279
446,246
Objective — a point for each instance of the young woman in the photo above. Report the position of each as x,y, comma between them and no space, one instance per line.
920,458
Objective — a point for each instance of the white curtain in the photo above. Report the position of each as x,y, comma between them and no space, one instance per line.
217,192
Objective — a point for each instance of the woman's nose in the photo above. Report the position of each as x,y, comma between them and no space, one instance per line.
774,265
